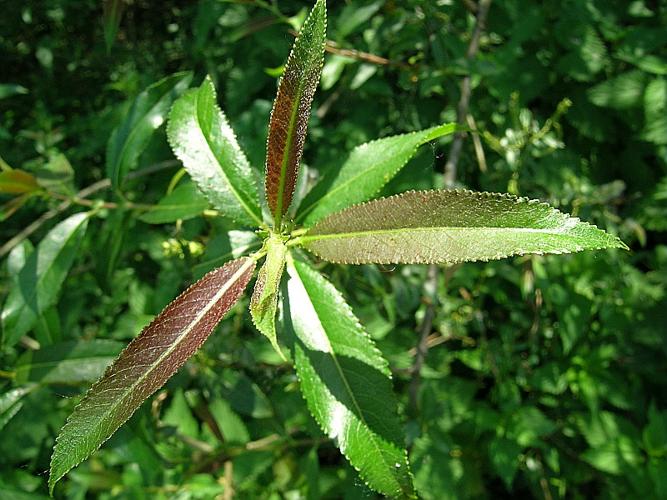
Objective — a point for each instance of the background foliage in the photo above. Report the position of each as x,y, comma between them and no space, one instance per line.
545,376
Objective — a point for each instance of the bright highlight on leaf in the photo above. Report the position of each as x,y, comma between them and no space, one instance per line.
346,381
291,111
366,171
147,363
449,227
203,140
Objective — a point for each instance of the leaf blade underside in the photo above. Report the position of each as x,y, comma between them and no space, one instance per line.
345,380
291,111
449,227
147,363
366,171
147,113
202,138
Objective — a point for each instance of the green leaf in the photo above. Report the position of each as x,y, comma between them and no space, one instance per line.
17,182
264,303
291,111
621,92
41,278
203,140
184,202
113,13
11,89
345,380
56,175
450,227
147,114
147,363
368,168
67,363
504,454
11,404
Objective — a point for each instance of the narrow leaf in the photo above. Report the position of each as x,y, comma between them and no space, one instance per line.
11,404
113,13
147,363
11,89
368,168
17,182
147,113
184,202
264,302
67,363
345,381
41,278
449,227
203,140
291,111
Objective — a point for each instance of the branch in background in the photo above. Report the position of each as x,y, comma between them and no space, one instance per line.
466,90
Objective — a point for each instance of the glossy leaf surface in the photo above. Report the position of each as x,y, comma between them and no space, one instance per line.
17,182
67,362
147,113
291,111
346,381
184,202
264,303
147,363
368,168
203,140
41,277
449,227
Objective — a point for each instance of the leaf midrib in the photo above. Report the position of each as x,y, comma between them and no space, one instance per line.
211,149
341,374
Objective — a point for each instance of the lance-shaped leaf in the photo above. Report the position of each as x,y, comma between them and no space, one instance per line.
449,227
264,303
368,168
113,13
203,140
291,111
17,182
147,113
41,277
147,363
345,380
184,202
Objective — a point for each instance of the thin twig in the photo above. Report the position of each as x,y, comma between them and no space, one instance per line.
466,91
81,195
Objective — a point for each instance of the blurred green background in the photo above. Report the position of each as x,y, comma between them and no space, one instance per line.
546,377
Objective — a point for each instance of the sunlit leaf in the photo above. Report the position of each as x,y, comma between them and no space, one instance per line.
147,363
17,182
184,202
449,227
345,380
291,111
147,113
264,303
203,140
41,278
368,168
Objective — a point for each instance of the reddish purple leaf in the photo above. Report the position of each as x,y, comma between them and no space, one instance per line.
148,362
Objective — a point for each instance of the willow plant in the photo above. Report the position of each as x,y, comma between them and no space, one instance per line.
343,377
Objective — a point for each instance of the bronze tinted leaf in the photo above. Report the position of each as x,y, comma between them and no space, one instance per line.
147,363
291,111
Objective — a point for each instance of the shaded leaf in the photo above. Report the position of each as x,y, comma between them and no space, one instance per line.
41,278
201,137
449,227
17,182
10,403
67,363
113,13
184,202
11,89
368,168
345,380
621,92
147,113
291,111
225,246
264,303
147,363
56,175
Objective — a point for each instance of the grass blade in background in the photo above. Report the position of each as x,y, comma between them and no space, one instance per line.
365,172
147,363
41,278
346,381
291,111
201,137
147,113
449,227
